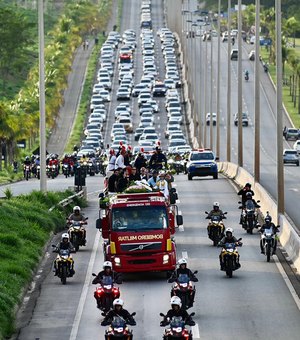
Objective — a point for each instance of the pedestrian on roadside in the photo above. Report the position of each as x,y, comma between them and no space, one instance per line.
84,44
87,44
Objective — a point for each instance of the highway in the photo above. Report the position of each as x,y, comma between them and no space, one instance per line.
268,164
256,303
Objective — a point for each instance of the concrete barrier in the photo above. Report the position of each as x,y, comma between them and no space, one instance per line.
289,237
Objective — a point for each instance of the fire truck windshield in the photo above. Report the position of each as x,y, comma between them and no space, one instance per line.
140,218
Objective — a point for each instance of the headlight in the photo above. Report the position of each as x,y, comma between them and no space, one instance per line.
165,259
117,261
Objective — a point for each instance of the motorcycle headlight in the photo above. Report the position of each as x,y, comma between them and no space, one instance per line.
117,261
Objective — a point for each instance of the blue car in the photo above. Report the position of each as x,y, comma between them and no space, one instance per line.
202,163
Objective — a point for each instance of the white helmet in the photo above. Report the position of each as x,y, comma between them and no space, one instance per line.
119,302
175,300
229,230
65,235
216,204
182,261
76,208
107,264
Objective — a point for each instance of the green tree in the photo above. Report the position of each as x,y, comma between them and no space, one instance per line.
15,37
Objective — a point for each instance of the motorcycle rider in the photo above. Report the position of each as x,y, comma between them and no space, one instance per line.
243,192
107,271
216,211
269,225
246,75
229,238
118,310
181,270
78,217
157,159
176,311
65,244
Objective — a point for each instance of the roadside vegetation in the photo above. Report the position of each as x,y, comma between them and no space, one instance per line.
25,227
19,118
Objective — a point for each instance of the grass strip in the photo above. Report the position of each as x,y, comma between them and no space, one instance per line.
286,98
25,227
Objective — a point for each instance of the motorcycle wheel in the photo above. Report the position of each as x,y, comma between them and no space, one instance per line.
75,242
215,242
268,252
27,175
184,301
63,277
250,226
107,303
229,266
229,273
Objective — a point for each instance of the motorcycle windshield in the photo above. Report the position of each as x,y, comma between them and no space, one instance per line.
250,205
107,281
229,245
268,232
183,278
177,322
216,218
64,252
118,322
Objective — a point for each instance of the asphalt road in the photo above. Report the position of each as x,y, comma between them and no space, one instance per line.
255,304
268,162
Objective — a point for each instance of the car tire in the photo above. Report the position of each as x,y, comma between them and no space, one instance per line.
207,123
235,123
246,124
190,177
297,164
215,176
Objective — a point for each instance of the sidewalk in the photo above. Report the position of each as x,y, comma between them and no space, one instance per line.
66,117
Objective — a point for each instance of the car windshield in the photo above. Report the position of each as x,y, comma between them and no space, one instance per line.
202,156
140,218
291,152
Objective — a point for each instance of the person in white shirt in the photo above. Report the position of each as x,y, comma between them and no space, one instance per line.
162,184
111,163
120,159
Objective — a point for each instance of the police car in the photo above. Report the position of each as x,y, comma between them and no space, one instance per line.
202,162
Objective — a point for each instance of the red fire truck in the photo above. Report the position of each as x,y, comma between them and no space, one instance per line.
137,229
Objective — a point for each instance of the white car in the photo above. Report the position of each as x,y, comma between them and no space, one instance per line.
296,146
214,119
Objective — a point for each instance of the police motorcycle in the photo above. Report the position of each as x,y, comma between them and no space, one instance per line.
177,328
230,257
215,228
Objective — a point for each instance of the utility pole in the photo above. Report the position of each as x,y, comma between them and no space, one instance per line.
218,81
200,131
205,94
280,172
211,132
240,87
43,179
257,96
228,124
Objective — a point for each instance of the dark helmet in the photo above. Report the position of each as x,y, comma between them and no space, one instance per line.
248,185
268,219
27,158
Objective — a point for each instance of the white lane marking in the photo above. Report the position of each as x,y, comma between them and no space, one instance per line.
185,255
181,228
287,281
85,288
195,331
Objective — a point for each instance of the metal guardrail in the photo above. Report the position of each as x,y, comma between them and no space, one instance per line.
65,202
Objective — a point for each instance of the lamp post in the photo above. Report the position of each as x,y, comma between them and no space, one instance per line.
240,86
43,179
257,96
211,132
218,81
228,123
280,172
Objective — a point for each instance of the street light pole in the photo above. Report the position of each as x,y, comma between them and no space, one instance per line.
218,81
280,173
43,180
228,124
205,94
211,132
240,87
257,96
200,132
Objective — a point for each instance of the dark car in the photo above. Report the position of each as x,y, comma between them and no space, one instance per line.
159,89
291,134
138,132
